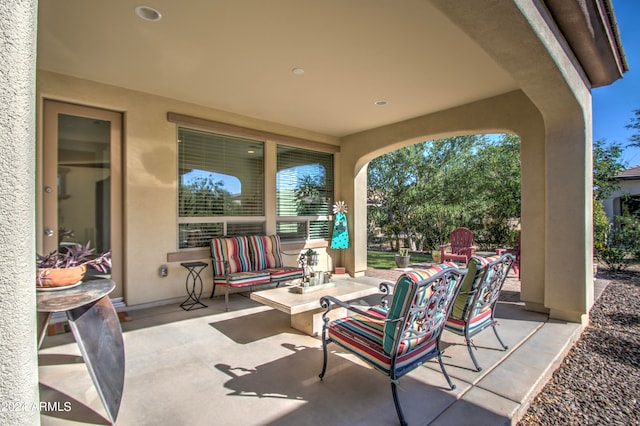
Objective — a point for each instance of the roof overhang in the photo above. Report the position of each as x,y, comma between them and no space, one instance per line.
590,28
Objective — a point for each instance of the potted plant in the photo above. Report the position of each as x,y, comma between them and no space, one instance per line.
402,258
68,265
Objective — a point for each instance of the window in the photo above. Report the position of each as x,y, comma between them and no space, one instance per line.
304,185
220,188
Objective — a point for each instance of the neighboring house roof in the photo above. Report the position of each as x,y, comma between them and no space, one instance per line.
630,173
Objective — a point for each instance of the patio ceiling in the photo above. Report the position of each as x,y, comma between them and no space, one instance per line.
238,56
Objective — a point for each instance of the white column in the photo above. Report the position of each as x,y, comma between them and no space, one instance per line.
18,352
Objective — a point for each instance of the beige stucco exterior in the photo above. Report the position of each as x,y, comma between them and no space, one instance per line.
150,178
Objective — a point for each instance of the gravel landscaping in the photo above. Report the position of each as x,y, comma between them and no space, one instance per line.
598,383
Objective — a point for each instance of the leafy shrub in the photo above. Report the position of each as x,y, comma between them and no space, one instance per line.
600,223
621,244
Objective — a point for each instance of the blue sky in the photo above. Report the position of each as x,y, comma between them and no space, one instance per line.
613,105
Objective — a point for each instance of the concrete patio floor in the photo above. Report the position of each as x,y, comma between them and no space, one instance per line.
248,367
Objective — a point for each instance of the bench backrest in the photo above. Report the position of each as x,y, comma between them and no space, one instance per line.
266,251
234,250
246,253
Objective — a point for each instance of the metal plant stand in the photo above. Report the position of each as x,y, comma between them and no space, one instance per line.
193,282
96,328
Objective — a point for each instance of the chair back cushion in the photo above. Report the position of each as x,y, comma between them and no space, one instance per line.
486,275
404,297
475,268
235,250
266,251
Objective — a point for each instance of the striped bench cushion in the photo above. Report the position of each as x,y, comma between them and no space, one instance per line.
363,337
241,279
284,274
235,250
266,251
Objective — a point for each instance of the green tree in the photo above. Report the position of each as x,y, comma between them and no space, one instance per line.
204,196
607,164
634,124
310,196
498,185
424,191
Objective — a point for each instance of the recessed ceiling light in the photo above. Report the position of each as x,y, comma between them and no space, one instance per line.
297,71
148,13
380,103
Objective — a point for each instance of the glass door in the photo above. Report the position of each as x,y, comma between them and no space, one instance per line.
82,181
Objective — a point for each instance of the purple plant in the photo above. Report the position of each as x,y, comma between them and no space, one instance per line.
75,255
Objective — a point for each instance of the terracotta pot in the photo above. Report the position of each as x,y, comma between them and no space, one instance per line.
47,278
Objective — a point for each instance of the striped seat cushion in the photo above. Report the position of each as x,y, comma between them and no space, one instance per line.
477,323
284,274
363,337
266,251
235,250
241,279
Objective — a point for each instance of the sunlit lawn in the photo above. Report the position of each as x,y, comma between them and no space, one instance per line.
385,259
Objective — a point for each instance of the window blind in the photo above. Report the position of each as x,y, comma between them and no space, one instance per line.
304,182
219,175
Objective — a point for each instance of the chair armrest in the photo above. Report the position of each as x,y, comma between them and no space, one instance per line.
385,288
327,302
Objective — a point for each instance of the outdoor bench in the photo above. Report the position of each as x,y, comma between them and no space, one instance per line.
246,261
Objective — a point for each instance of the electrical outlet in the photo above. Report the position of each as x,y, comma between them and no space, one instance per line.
164,270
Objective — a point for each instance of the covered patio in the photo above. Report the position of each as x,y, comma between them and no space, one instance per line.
249,367
344,81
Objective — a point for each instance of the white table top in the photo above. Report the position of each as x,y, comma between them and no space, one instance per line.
286,300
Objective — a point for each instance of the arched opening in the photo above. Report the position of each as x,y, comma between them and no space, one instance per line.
419,193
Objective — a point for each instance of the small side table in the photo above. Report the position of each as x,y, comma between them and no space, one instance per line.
191,283
96,328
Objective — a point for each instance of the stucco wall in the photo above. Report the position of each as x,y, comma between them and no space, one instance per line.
18,354
150,173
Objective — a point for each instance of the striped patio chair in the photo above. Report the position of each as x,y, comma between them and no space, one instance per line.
474,307
397,339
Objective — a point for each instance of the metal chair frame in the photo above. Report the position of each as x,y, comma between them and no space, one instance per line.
417,320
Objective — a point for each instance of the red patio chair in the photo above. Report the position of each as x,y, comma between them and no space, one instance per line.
516,252
460,247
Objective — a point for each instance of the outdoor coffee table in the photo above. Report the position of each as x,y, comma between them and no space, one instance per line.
305,310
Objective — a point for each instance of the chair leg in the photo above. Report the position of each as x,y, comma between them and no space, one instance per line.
324,361
444,371
473,357
396,401
213,291
226,299
505,347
